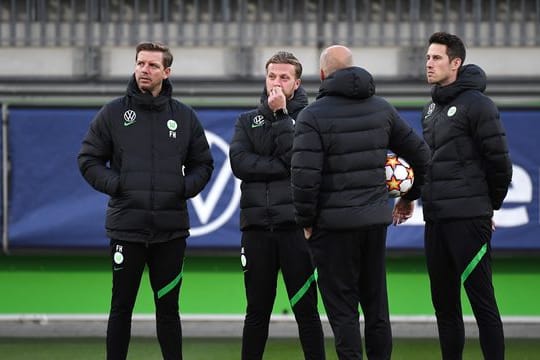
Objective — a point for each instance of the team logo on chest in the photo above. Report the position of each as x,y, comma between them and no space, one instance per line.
172,125
452,111
257,121
430,110
129,117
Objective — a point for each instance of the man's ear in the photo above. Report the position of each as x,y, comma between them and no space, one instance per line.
297,83
167,72
322,75
456,63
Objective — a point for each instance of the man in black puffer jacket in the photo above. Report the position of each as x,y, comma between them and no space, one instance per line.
341,200
467,179
149,153
260,155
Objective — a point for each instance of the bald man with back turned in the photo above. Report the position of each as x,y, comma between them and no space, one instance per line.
339,192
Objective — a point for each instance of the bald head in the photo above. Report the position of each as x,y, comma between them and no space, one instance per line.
334,58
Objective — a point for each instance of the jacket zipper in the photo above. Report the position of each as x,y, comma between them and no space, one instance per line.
268,208
152,172
434,123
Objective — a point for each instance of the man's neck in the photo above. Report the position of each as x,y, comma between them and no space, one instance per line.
154,92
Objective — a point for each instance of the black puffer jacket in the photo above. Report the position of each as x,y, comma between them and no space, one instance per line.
470,168
260,155
340,147
149,154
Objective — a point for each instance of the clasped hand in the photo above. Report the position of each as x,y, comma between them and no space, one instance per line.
276,99
403,211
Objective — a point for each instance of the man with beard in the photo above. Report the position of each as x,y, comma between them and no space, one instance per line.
149,153
260,155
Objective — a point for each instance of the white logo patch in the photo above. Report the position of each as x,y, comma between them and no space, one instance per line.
129,117
118,258
451,111
430,110
257,121
172,125
243,259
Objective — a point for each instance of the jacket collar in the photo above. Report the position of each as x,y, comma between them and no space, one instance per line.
470,77
352,82
146,100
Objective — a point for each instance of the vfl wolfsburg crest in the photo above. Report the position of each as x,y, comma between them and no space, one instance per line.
118,258
172,125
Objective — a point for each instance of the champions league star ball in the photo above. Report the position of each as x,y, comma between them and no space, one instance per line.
399,175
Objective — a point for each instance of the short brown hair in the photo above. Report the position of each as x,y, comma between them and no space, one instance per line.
454,45
156,46
284,57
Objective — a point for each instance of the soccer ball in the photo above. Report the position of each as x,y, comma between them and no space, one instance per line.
399,175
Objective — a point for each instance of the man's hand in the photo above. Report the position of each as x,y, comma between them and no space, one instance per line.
307,232
403,210
276,99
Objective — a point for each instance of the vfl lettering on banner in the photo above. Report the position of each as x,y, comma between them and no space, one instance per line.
205,208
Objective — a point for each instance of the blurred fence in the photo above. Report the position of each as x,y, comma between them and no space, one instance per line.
244,23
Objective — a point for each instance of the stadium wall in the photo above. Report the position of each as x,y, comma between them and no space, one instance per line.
219,62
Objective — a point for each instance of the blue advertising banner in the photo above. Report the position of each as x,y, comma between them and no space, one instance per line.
51,206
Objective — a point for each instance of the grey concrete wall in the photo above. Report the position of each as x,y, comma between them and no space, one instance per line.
40,62
220,62
199,61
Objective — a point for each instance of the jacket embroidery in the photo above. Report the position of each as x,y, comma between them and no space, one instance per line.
257,121
129,117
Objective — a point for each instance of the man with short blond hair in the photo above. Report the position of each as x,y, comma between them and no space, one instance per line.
260,155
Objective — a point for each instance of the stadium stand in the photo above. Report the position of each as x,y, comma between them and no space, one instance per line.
84,48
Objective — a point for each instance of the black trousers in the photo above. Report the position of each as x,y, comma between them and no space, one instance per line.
352,271
165,261
263,254
459,252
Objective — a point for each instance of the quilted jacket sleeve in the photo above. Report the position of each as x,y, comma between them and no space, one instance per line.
306,169
488,132
94,155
